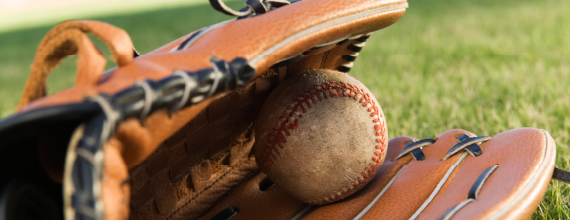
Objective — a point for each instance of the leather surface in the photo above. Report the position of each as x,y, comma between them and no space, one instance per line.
177,176
351,206
417,181
115,189
519,154
241,38
330,59
69,38
249,37
274,203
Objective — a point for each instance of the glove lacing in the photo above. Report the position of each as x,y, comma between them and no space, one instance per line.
252,7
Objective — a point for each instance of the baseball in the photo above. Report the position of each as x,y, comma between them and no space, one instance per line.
321,136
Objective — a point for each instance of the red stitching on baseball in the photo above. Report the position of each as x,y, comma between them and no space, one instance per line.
290,120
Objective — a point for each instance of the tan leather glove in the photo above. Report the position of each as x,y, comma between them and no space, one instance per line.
455,175
166,134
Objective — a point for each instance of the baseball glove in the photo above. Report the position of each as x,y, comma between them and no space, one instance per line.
168,134
454,175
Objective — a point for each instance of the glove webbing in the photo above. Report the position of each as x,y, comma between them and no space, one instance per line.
88,170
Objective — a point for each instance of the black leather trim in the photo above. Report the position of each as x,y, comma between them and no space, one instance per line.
343,69
418,154
349,58
478,185
258,6
474,150
561,175
450,212
265,184
226,214
465,143
415,148
288,61
135,53
183,44
343,42
37,121
103,113
363,39
473,192
353,48
221,7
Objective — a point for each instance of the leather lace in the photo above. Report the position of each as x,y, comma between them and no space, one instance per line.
252,7
561,175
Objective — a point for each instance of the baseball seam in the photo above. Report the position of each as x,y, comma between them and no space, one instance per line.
290,120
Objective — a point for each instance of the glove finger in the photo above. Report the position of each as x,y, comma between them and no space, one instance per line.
428,189
253,202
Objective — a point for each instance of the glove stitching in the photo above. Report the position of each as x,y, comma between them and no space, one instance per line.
325,55
209,186
290,120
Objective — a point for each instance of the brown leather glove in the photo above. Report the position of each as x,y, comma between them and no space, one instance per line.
168,135
455,175
165,134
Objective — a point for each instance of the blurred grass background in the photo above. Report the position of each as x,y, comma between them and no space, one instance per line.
481,65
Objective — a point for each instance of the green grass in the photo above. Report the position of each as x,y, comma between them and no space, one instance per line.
481,65
484,66
11,20
148,31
